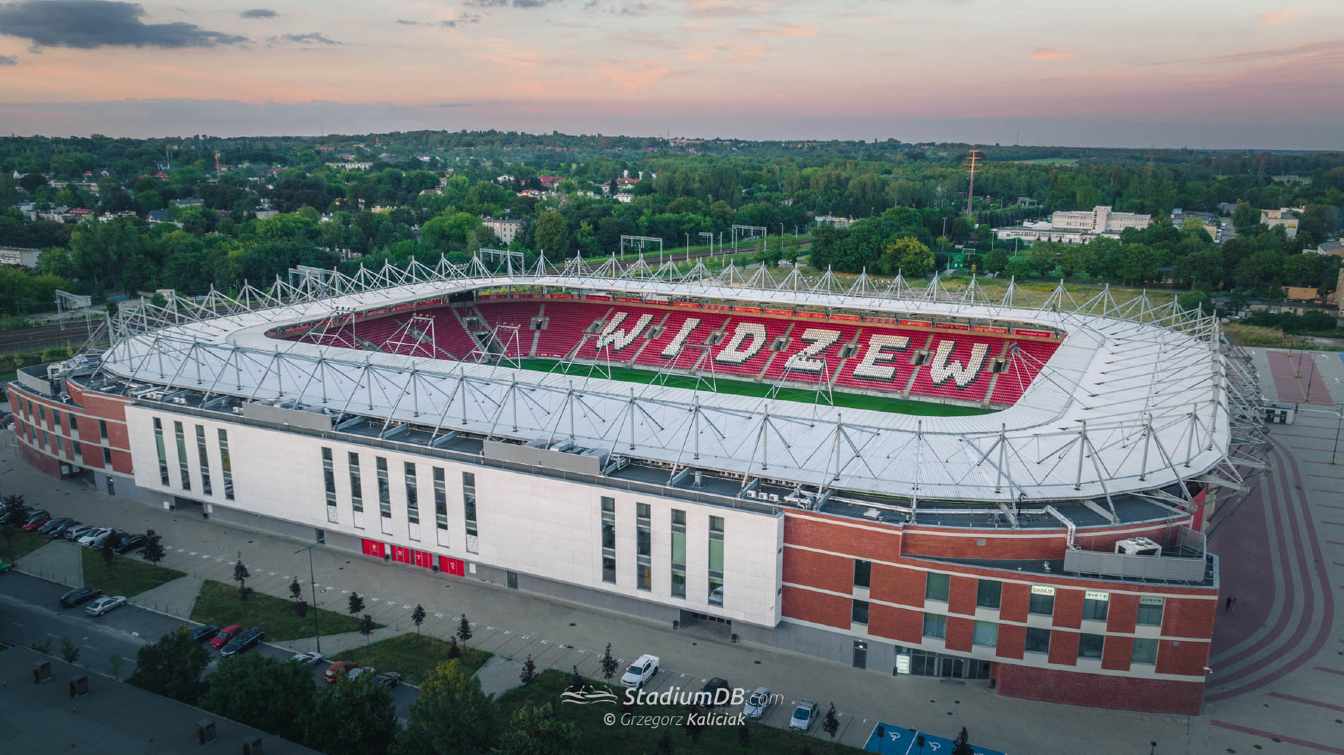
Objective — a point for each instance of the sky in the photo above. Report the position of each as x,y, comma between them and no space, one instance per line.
1144,73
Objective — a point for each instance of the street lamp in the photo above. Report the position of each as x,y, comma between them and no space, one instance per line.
312,586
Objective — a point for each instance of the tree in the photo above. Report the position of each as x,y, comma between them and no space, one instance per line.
1245,217
240,575
550,233
355,605
351,718
529,671
463,630
907,255
454,651
831,723
16,513
153,550
535,730
171,667
451,715
961,745
295,589
608,663
69,650
418,617
366,627
264,692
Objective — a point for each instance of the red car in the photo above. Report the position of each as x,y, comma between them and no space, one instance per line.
225,634
36,520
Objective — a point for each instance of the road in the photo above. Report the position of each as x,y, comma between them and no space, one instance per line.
42,336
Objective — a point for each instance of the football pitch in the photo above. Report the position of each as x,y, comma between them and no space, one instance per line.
751,388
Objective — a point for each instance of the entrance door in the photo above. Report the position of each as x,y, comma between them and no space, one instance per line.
953,668
860,654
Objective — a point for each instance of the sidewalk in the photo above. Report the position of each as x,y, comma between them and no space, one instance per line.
57,561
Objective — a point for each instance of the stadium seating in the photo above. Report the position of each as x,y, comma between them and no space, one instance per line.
1022,368
964,360
509,314
566,323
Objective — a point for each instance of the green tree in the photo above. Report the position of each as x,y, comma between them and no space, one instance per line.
366,627
535,730
464,630
355,605
550,233
608,663
69,650
241,575
264,692
352,718
153,550
907,255
529,671
451,716
1245,217
418,617
171,667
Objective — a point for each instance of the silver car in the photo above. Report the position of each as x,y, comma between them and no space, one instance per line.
804,715
105,604
758,702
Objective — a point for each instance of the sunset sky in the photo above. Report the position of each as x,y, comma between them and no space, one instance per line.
1200,73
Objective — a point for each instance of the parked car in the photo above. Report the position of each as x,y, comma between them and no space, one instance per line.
712,688
804,715
360,671
75,533
52,524
105,604
223,636
309,658
758,702
98,541
36,520
79,596
58,532
5,566
92,536
337,671
641,671
203,633
387,679
243,641
130,543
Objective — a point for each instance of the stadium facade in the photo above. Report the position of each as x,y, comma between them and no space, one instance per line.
1037,522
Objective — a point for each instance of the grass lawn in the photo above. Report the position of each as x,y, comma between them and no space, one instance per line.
412,655
220,605
22,544
124,576
801,395
596,736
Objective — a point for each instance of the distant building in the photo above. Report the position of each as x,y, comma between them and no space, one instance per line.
549,182
532,193
1291,178
1219,229
1077,226
1227,208
1284,216
834,221
19,255
351,165
1333,247
189,202
159,216
1301,293
505,229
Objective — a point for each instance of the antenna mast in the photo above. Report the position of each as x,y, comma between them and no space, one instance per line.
970,191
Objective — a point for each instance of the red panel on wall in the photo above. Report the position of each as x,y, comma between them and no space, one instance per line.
1012,640
1014,602
422,559
959,633
373,548
1123,613
1096,690
1189,618
897,585
896,623
1068,608
820,570
401,554
961,594
1182,657
1117,652
817,607
1064,647
453,566
860,542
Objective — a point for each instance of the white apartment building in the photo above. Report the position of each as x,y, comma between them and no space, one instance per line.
1077,226
505,229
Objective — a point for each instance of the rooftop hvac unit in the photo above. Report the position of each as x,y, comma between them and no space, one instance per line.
1138,546
774,497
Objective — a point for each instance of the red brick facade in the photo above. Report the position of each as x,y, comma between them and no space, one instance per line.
92,412
1099,691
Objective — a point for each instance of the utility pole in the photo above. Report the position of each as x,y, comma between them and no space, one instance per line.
312,586
970,191
1339,413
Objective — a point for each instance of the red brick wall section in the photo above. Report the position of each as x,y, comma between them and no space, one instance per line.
859,542
962,545
1182,657
1014,602
1064,647
1117,652
835,573
817,607
900,624
961,594
1100,691
1123,613
895,584
959,633
1068,608
44,464
1012,641
1183,617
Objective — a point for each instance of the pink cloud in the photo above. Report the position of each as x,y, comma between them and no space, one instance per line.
1049,54
1276,17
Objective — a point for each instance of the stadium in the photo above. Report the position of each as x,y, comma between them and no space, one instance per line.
907,480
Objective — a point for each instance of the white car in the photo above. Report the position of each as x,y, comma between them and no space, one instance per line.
758,702
804,715
105,604
88,538
641,671
355,673
307,659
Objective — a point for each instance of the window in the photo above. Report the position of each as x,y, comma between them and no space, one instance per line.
204,459
56,419
863,573
678,554
1038,640
935,625
469,507
42,412
986,634
1145,651
859,613
1150,611
102,429
356,484
987,593
225,464
716,560
107,456
935,587
182,456
74,423
384,489
329,482
79,451
412,493
643,547
1095,605
1089,645
1042,601
163,454
609,540
440,500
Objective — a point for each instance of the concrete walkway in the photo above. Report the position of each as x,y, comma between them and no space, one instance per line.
58,561
175,598
499,675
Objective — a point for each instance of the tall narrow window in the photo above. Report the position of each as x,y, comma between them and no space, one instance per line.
1042,600
74,424
643,547
412,494
716,560
935,586
678,553
163,453
1095,605
102,429
469,509
988,593
863,573
204,458
609,540
384,491
329,482
182,456
56,420
1150,610
440,500
356,484
225,464
107,456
